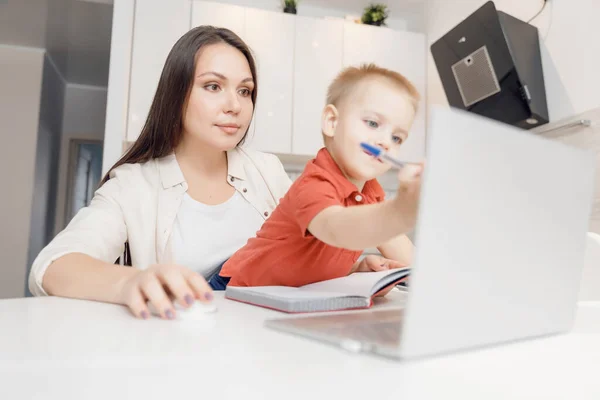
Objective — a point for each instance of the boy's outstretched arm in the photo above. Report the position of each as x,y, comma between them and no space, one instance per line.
360,227
398,249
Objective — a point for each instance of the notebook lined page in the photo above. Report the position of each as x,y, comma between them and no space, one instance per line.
357,284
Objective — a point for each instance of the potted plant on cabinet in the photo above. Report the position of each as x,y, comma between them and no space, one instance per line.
289,6
375,14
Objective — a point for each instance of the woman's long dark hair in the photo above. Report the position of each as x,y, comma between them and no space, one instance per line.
162,130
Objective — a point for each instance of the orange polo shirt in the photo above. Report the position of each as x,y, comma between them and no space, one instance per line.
283,251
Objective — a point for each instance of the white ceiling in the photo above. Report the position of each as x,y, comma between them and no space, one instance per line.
75,33
90,28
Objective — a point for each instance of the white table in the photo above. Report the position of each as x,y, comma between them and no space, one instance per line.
53,348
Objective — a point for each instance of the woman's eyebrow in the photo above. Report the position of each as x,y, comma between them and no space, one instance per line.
223,77
218,75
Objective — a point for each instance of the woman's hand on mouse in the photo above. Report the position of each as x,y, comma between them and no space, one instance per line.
161,285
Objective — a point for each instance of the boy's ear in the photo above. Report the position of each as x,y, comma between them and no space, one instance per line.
329,120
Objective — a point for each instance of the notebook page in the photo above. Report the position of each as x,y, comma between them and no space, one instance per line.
357,284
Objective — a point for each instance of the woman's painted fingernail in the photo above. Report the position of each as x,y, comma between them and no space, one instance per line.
169,314
208,296
144,314
189,299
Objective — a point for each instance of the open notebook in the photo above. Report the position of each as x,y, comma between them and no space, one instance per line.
349,292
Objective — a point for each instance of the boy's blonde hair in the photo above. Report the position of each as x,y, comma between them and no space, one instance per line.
347,80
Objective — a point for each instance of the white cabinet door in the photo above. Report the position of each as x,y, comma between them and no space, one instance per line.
270,35
158,25
219,15
404,52
317,60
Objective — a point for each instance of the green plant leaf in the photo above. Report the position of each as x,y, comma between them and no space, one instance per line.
375,14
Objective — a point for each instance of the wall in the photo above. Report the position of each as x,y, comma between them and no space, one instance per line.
33,23
70,39
19,112
570,51
84,118
57,39
43,208
583,137
30,34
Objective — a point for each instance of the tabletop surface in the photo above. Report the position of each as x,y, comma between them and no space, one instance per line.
56,348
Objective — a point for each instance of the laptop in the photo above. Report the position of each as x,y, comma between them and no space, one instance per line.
500,243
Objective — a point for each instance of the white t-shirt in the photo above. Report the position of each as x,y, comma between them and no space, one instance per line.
205,236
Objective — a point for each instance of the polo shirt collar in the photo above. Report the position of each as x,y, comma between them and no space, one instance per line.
325,161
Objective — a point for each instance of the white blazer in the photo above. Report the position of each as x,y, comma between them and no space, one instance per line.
139,204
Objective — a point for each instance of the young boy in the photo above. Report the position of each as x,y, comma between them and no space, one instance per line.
336,208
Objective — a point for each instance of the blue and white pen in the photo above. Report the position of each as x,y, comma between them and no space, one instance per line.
382,155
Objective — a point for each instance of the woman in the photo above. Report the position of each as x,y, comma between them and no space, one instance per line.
184,194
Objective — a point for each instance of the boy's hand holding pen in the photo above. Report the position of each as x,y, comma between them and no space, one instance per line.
409,180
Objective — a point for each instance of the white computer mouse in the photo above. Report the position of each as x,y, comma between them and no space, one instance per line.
196,311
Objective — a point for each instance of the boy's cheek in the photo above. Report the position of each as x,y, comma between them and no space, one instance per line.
395,149
358,133
386,167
